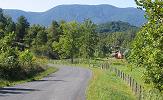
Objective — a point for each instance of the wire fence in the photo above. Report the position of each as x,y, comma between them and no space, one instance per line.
136,88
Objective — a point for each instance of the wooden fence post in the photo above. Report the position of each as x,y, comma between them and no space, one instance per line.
130,82
129,79
140,92
136,88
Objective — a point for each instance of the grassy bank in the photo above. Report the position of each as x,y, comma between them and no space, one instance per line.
38,76
137,73
107,86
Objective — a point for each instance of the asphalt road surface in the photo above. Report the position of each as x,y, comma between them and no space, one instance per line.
69,83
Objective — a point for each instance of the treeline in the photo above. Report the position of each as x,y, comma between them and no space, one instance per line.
68,39
115,26
22,42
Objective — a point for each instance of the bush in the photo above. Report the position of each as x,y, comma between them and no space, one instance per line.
26,58
15,65
8,62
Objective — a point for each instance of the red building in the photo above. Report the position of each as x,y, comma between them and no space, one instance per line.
118,55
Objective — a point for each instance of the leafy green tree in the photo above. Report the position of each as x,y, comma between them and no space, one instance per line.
8,55
41,38
7,42
39,44
147,48
89,39
21,28
26,58
11,26
3,20
54,32
6,24
68,45
32,33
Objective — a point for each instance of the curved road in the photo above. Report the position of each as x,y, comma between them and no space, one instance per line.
69,83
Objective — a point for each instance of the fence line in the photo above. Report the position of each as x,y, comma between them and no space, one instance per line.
136,88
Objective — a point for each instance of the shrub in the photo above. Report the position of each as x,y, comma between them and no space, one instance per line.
8,59
26,58
15,65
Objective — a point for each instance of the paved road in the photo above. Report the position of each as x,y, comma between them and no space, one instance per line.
69,83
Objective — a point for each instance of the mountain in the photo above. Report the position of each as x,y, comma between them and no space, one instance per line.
97,13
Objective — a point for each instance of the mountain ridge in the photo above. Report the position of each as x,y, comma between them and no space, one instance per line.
97,13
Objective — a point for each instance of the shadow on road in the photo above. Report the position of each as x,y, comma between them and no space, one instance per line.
15,91
6,91
49,80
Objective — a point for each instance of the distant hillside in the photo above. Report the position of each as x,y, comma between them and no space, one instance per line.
115,26
97,13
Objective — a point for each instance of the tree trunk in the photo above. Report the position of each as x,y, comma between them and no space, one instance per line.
72,59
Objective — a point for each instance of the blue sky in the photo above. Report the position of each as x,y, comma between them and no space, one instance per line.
43,5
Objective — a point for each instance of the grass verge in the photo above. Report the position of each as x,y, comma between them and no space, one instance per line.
107,86
135,72
148,93
39,76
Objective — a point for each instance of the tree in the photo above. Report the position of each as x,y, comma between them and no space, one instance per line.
3,20
11,26
21,28
89,39
39,44
147,48
68,45
32,33
6,24
41,38
54,32
7,42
